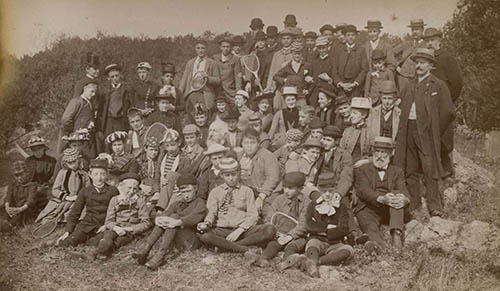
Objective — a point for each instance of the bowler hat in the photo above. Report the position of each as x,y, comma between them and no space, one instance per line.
349,28
423,53
417,23
260,35
228,165
383,142
290,20
215,148
167,68
18,167
342,99
361,103
271,31
238,40
316,123
388,87
190,129
378,54
256,23
341,25
432,32
98,164
127,176
327,27
332,131
186,179
312,142
112,67
327,89
311,34
374,24
225,39
294,179
92,60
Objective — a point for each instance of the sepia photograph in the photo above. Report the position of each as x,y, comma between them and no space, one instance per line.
249,145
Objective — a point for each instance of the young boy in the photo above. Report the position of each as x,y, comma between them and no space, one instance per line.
283,154
378,74
350,64
121,162
211,177
326,109
231,222
176,225
233,137
307,162
255,122
69,181
167,81
95,199
343,118
326,222
192,151
292,202
316,128
241,103
200,119
137,131
296,73
144,88
115,103
39,163
23,201
164,111
127,216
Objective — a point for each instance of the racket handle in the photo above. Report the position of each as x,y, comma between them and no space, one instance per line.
258,83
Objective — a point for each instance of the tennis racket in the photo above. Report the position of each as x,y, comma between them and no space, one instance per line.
283,223
45,228
157,130
198,82
252,64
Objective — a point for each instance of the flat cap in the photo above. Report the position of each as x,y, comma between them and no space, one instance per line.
361,103
378,54
190,129
316,123
383,142
144,65
215,148
294,179
332,131
342,99
311,34
127,176
112,67
186,179
98,164
432,32
327,27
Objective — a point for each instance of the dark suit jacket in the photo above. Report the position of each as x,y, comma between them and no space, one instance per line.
350,67
448,71
103,110
365,181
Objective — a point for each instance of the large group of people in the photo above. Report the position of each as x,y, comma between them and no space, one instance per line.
283,141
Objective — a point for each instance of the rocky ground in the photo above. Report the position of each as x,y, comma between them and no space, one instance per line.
460,252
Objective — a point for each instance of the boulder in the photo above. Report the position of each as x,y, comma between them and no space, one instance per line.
413,230
476,235
443,227
450,195
329,273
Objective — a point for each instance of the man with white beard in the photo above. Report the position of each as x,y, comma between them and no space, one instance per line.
382,194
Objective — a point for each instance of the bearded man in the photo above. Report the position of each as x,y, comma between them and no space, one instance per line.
382,194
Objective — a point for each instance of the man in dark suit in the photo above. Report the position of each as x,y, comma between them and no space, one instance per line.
350,64
382,194
426,113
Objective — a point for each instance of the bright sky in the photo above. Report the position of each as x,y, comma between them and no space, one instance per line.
30,25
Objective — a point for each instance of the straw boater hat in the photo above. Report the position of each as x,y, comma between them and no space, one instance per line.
311,34
228,165
289,90
170,135
321,40
432,32
383,142
417,23
115,136
215,148
112,67
71,155
361,103
37,141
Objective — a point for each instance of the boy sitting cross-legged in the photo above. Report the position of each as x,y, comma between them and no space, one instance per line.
95,198
175,225
231,222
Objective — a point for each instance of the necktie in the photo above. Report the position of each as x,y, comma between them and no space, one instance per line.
295,208
228,200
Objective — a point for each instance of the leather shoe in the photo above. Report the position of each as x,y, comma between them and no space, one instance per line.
397,241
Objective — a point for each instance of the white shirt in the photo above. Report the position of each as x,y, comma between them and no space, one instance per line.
374,44
413,112
350,46
224,58
199,65
295,66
